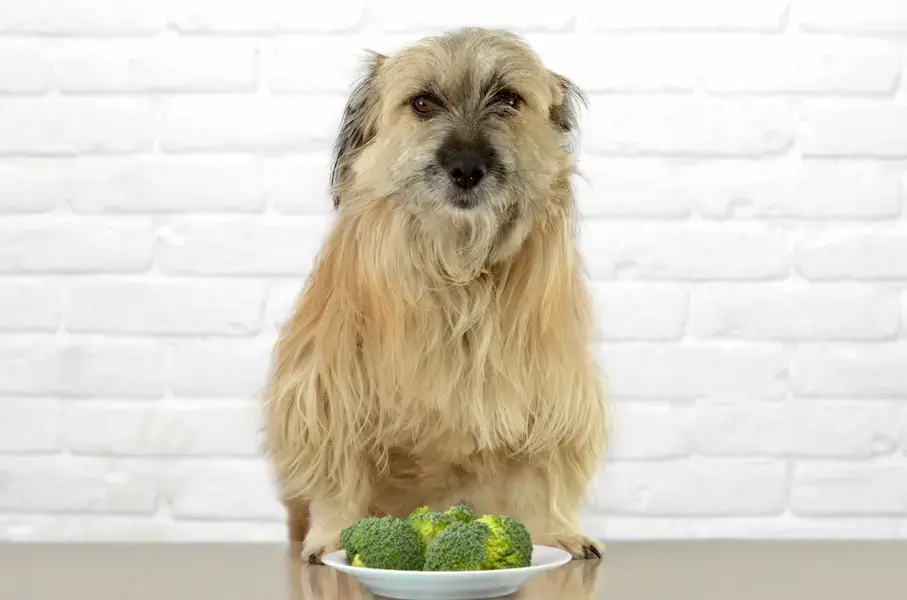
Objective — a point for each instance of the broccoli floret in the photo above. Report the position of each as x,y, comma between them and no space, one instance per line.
350,538
508,546
461,513
383,543
428,524
460,547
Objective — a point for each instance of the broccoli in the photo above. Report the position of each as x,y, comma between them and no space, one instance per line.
383,543
460,547
428,524
454,540
351,537
461,513
508,545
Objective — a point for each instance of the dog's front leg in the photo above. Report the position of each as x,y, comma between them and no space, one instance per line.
330,514
545,495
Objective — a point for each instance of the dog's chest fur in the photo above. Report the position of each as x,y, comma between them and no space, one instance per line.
451,383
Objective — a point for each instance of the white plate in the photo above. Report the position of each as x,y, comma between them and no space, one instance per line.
449,585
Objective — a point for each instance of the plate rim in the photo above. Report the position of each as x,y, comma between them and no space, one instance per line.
564,558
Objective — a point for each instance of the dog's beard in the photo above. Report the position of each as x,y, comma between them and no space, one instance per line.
455,243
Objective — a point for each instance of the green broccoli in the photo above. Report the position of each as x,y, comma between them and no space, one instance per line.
351,537
461,513
460,547
383,543
508,545
428,524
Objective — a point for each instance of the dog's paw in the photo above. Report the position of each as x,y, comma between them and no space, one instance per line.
316,546
579,546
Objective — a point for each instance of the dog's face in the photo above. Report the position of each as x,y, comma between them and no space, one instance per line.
470,123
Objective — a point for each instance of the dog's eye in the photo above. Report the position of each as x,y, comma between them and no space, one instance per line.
511,99
422,104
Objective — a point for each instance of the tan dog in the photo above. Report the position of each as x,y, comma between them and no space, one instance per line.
439,352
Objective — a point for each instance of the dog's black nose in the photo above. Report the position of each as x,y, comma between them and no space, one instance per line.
466,168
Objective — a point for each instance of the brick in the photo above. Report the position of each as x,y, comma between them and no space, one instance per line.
74,246
852,256
26,528
226,531
812,429
30,367
648,431
646,188
685,126
281,300
30,425
796,529
697,252
410,15
29,185
881,16
237,489
631,528
251,123
826,489
62,527
875,371
217,183
683,372
25,66
904,431
166,307
158,65
739,189
795,312
132,528
226,369
802,65
840,430
241,248
742,428
904,317
51,126
785,527
82,17
82,368
734,487
810,190
300,184
621,64
71,484
30,306
267,16
854,129
693,15
111,369
155,429
631,311
341,59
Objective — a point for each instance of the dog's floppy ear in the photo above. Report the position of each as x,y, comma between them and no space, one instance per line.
568,99
358,125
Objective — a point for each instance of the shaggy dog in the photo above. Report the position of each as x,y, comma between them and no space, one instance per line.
439,352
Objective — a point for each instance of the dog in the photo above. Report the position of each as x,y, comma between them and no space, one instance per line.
439,352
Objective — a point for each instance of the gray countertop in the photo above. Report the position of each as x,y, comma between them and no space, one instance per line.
629,571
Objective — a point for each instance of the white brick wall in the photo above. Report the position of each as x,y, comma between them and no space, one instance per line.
163,188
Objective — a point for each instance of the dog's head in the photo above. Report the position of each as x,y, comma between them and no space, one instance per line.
462,125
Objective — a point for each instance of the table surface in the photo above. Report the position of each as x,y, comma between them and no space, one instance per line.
637,571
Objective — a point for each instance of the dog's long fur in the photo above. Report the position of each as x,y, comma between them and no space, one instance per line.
440,355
